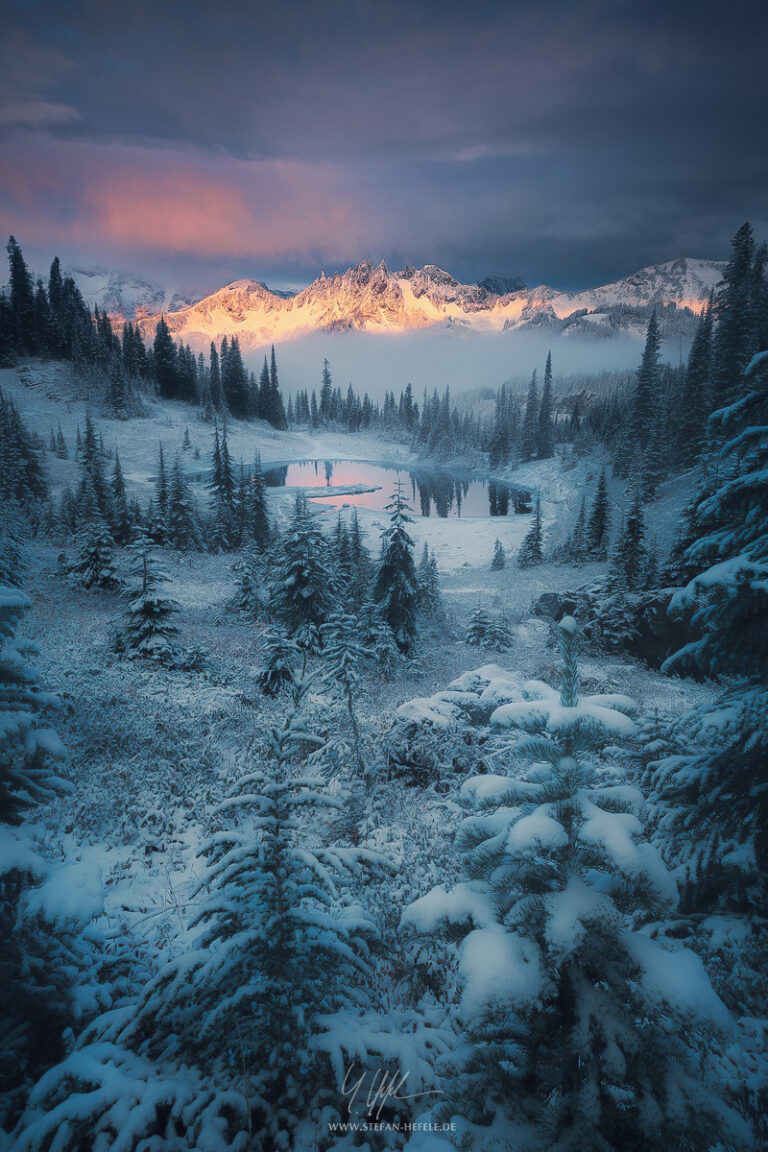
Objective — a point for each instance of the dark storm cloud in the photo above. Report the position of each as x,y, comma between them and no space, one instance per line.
566,142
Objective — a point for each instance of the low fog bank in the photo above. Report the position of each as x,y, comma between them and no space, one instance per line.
375,362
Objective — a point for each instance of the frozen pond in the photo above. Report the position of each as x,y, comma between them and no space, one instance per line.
430,492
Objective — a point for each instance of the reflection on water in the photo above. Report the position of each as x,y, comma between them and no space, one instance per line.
431,493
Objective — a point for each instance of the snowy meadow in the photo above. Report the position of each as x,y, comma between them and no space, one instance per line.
381,775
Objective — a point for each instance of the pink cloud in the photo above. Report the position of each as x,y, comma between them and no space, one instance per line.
134,198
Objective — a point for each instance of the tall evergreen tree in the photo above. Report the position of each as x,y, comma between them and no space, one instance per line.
148,628
396,586
529,436
630,557
183,528
646,393
578,1027
122,521
599,524
697,393
499,557
546,436
303,591
734,336
164,360
532,548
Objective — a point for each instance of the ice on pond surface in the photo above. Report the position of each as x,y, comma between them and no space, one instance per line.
430,492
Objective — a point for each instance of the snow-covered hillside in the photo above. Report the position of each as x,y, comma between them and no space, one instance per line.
127,297
375,299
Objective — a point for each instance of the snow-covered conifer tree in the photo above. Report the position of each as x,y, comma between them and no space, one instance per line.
479,626
499,556
95,566
532,548
396,585
148,627
599,523
282,946
580,1031
302,591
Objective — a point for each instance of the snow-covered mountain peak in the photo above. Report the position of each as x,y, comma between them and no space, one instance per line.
371,297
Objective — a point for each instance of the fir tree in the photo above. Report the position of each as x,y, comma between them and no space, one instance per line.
221,485
214,384
93,482
396,586
546,436
599,524
250,580
282,661
630,557
578,1028
343,655
164,360
733,341
29,749
646,394
499,557
479,626
302,593
183,528
95,566
258,517
427,575
283,952
697,393
122,521
578,548
726,597
529,437
531,550
498,634
148,627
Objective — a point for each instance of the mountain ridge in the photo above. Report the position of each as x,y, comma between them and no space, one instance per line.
372,298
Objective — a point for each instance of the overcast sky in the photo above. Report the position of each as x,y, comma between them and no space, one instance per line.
564,142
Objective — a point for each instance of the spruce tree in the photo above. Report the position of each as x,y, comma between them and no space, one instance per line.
343,656
546,436
734,335
303,591
92,478
283,952
578,1029
479,626
22,302
599,524
498,635
165,361
95,566
183,528
258,517
697,393
29,749
532,548
395,588
214,384
529,436
645,397
578,548
499,557
148,628
250,583
221,485
122,521
429,600
630,556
